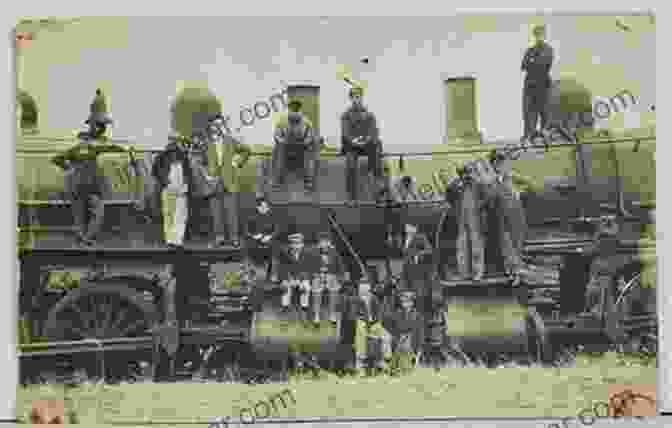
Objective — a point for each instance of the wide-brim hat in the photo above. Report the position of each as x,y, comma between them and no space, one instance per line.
101,118
295,103
98,110
84,135
356,89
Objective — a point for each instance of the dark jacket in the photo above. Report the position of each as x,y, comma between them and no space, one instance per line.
356,309
537,63
333,260
303,269
407,330
358,123
296,137
161,166
86,175
262,224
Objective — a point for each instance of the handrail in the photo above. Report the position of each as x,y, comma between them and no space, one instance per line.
479,149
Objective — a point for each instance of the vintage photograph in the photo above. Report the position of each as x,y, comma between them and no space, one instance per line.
226,220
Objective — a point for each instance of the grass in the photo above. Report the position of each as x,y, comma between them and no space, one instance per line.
465,392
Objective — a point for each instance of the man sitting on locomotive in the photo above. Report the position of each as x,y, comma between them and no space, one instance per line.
261,231
85,182
406,326
172,171
294,267
331,276
295,139
359,135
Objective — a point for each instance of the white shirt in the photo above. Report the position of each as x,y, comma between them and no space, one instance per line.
220,151
176,177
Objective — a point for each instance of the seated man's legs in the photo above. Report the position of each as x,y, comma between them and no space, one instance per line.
374,153
96,212
309,166
278,164
351,165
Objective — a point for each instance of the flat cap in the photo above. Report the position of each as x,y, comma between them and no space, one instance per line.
295,237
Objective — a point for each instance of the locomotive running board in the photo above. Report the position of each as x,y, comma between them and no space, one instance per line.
102,255
485,282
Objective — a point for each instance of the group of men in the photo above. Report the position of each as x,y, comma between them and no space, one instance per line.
296,141
212,174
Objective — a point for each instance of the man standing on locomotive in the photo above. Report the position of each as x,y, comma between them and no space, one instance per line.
537,65
294,139
509,211
225,156
359,136
172,171
85,181
470,237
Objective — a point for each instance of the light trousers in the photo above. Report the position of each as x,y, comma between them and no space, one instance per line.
372,341
174,207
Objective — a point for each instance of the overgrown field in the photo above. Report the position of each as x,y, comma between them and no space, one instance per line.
467,392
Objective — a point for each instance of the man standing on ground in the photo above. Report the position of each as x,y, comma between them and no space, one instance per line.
359,135
537,65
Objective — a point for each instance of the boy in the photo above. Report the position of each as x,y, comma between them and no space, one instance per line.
406,327
295,266
261,231
372,341
331,276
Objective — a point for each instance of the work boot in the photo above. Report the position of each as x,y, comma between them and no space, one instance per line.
218,242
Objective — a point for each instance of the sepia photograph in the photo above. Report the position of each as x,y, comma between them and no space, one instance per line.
233,220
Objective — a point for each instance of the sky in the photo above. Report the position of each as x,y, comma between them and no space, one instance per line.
141,63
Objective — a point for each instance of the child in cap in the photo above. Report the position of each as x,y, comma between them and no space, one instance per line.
407,329
295,266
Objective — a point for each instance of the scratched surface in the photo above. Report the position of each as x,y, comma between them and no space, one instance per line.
404,66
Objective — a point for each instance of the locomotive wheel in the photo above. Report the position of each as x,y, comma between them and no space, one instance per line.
633,300
538,344
101,311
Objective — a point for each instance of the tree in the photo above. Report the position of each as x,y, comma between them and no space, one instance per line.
570,106
191,110
28,112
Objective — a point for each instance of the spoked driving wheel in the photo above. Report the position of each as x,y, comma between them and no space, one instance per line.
636,305
102,311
